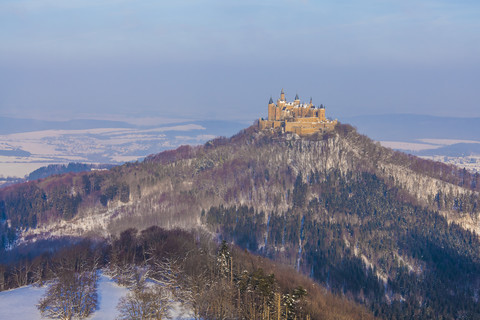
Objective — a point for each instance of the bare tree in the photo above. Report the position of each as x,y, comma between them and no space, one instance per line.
194,293
145,303
21,273
3,281
71,296
127,275
167,273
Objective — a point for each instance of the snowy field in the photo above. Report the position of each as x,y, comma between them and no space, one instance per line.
20,304
424,144
22,153
409,146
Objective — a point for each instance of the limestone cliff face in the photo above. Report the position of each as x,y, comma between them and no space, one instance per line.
254,168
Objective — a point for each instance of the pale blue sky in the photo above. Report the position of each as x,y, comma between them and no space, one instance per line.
222,59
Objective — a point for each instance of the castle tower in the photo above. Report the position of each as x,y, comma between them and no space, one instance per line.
310,109
297,100
271,110
321,113
281,102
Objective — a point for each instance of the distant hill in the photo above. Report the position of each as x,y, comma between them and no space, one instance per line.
454,150
409,127
380,227
15,125
52,169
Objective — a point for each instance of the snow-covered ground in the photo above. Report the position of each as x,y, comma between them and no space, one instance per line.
108,293
471,163
21,153
20,304
409,146
424,144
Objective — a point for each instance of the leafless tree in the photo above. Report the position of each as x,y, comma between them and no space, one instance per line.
71,296
127,275
21,272
194,292
167,272
145,302
2,277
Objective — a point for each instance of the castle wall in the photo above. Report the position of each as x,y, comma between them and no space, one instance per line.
269,124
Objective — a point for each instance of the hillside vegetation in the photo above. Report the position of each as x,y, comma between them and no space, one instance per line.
389,230
210,281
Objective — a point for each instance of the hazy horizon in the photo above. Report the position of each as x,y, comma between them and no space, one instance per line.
153,63
219,60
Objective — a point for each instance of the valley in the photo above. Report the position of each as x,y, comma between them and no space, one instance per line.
28,146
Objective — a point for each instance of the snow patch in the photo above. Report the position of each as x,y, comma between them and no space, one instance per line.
20,303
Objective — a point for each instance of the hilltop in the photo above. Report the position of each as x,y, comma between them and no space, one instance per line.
253,168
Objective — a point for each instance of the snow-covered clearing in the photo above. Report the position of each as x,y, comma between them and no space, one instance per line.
410,146
20,304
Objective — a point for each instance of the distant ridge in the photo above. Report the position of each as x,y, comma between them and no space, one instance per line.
10,125
408,127
454,150
15,125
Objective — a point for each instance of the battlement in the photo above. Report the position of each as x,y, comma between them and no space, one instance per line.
300,118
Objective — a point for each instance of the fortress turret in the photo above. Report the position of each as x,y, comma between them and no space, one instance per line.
297,100
271,109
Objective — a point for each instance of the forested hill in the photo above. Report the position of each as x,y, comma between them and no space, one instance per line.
389,230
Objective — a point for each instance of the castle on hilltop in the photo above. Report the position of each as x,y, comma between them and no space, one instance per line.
300,118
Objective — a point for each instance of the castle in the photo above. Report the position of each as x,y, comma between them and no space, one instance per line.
300,118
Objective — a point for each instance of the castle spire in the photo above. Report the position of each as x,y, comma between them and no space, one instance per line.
282,95
296,97
271,100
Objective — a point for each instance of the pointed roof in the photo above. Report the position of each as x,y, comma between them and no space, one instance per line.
282,92
311,100
296,97
270,101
